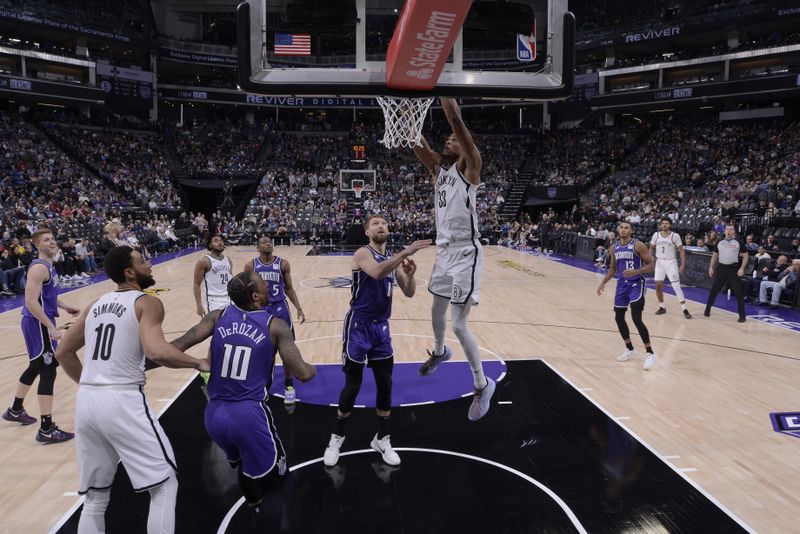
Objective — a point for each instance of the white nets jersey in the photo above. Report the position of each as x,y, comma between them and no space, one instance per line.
666,247
217,277
114,354
454,200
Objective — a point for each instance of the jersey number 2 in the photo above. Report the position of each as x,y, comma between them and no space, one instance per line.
235,362
103,339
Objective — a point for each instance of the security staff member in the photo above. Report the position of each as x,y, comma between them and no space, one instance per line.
727,251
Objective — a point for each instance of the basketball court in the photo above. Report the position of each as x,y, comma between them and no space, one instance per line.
574,441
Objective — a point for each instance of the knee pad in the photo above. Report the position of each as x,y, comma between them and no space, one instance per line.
636,315
619,317
353,373
383,382
250,488
47,378
30,374
96,502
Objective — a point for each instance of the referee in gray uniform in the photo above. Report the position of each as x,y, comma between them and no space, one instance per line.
727,250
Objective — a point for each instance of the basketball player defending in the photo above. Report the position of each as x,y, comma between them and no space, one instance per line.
630,260
39,330
215,270
276,272
456,276
664,244
365,336
113,419
237,417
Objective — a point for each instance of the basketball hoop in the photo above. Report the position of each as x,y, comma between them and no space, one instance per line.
357,189
404,120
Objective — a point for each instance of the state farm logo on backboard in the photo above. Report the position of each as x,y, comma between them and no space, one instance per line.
429,44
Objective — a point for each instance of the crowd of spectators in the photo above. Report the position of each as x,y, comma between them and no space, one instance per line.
131,160
221,147
575,157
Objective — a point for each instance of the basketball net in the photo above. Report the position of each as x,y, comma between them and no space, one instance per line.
404,120
357,189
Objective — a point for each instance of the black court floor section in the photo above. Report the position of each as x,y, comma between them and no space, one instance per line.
545,460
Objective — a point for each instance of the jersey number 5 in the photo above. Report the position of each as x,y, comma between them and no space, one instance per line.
235,362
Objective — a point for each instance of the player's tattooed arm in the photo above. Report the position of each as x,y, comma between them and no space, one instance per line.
283,339
199,332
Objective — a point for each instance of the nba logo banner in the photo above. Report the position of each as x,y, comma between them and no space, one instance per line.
526,45
786,423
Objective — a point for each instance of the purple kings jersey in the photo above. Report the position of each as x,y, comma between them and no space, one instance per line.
372,299
273,276
627,259
242,356
49,296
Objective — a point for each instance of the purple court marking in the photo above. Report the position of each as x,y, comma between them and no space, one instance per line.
8,304
786,423
452,380
784,318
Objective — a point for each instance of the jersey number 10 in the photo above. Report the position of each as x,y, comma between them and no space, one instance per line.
103,339
235,362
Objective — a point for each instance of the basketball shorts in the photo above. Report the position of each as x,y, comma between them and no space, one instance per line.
628,293
38,341
115,423
245,431
281,311
456,273
217,303
668,269
365,340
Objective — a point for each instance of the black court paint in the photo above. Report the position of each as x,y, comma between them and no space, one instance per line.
550,433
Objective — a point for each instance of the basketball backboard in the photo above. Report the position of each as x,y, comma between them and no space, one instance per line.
517,49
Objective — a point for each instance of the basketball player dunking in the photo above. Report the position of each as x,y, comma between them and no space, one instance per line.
214,270
237,417
366,338
630,260
113,419
276,272
665,243
456,276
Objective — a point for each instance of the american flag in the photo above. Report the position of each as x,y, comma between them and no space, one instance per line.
292,44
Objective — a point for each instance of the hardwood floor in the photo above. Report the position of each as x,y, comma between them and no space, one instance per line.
705,406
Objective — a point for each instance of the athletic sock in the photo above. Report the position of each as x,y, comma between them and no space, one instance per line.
341,422
649,350
289,383
683,306
383,426
17,406
629,345
662,306
47,421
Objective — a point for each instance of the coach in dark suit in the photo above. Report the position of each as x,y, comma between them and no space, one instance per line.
730,270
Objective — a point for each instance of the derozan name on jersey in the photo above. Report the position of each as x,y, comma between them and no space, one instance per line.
429,44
